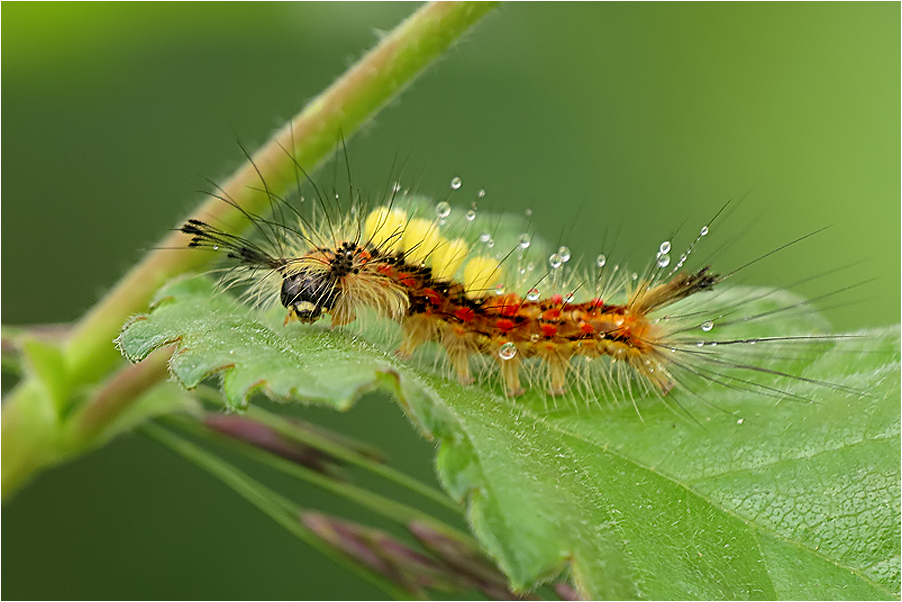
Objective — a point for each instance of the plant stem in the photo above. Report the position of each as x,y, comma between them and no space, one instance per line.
361,460
282,510
387,508
118,393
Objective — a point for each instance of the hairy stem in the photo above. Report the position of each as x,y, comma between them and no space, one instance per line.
118,393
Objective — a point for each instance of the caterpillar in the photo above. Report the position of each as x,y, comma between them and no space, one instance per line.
444,279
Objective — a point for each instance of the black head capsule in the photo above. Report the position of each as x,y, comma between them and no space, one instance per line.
313,287
309,293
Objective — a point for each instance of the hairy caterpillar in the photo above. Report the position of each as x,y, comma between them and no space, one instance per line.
444,279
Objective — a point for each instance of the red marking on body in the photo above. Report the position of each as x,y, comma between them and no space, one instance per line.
432,296
506,305
548,330
557,299
464,314
586,328
505,325
407,281
509,311
551,314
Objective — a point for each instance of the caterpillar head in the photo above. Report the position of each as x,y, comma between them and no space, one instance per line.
315,283
337,281
307,294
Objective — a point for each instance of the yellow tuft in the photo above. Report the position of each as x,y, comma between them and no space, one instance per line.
384,228
448,258
420,239
481,274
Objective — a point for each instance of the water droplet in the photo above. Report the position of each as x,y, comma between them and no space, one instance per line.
533,294
555,261
525,240
471,215
564,252
529,213
507,351
740,421
485,237
707,325
665,247
499,290
490,243
215,247
700,344
455,183
663,260
481,193
601,260
634,276
530,266
534,338
570,297
443,210
396,187
704,231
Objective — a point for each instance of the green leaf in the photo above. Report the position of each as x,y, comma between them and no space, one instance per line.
795,499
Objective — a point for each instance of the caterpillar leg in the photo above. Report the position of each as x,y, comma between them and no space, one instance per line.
510,373
557,370
558,366
459,350
460,362
417,330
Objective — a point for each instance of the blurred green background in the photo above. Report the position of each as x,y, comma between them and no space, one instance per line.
600,117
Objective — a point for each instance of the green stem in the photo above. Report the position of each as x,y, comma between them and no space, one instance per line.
118,394
343,453
282,510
